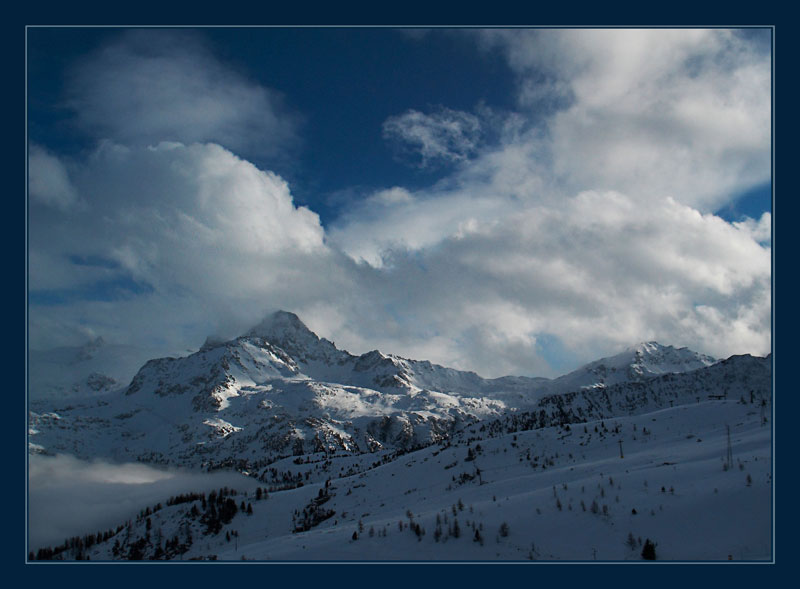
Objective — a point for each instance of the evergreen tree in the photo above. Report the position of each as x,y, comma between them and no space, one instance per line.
478,537
649,550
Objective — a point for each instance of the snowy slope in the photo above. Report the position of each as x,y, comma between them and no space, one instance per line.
551,493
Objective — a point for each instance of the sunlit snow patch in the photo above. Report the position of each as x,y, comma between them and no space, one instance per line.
222,427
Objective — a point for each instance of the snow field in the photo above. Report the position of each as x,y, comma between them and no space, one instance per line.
684,500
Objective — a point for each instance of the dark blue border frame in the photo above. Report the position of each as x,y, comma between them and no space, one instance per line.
356,574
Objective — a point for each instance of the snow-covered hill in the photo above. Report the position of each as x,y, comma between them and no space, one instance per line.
552,493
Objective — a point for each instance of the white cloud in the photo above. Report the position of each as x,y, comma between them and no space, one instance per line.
70,497
379,227
445,136
458,278
598,271
204,230
586,225
760,230
48,179
653,113
390,197
651,130
150,86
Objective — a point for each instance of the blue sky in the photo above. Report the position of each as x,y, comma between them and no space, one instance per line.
342,83
507,201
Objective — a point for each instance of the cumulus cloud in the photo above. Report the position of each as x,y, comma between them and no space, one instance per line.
683,112
583,228
587,223
599,272
70,497
185,228
442,137
380,226
456,277
149,86
761,229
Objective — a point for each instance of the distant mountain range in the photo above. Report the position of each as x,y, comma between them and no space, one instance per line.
96,368
280,390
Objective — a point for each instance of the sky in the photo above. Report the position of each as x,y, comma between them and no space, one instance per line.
508,201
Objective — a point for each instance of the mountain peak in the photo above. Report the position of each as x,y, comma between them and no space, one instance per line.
285,330
654,358
647,346
212,341
634,364
653,348
279,325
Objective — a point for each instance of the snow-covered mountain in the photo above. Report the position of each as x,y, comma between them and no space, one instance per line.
635,364
320,360
280,390
746,379
277,390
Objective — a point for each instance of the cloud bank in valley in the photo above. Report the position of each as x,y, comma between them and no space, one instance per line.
70,497
586,220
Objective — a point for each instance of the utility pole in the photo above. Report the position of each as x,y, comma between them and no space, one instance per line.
621,455
729,456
